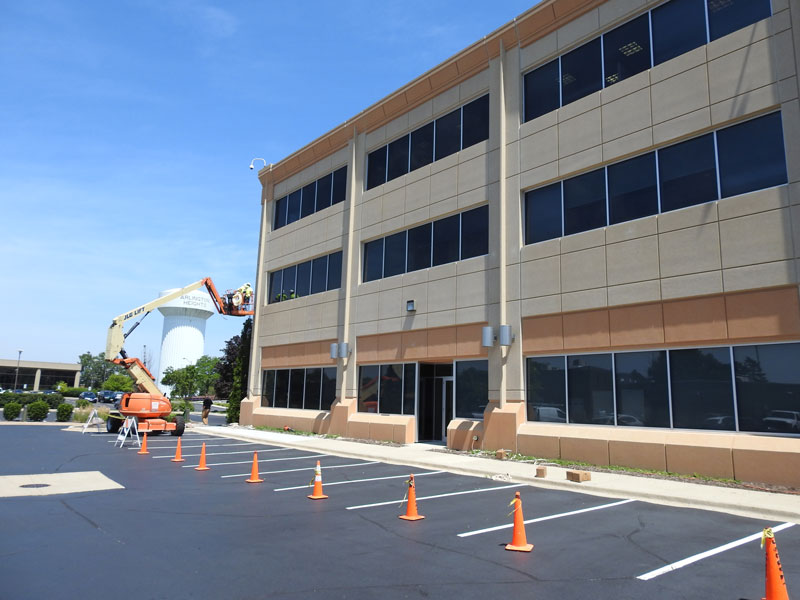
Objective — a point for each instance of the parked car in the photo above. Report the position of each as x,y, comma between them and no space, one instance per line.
90,396
117,396
105,396
782,420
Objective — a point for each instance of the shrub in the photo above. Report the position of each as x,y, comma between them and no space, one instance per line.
37,411
53,400
11,410
82,414
82,403
72,392
64,412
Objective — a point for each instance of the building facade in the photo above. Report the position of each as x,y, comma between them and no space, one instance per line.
578,239
36,375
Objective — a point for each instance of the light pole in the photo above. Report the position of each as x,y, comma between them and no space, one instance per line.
16,375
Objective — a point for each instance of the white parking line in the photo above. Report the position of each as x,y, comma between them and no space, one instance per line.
374,462
151,446
216,453
502,487
249,462
300,487
692,559
547,518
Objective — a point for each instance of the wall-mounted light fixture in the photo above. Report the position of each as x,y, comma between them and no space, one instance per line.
410,306
487,336
340,350
334,350
506,337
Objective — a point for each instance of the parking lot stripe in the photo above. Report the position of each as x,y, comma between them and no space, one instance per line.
215,453
152,447
374,462
248,462
547,518
692,559
302,487
502,487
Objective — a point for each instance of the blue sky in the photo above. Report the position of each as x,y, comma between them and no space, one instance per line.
127,128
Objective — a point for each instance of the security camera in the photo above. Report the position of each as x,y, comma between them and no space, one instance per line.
251,166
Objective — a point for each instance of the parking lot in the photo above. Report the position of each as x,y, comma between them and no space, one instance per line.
171,531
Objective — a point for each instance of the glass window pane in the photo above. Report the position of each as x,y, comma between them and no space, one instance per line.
368,388
443,370
419,248
678,26
702,394
476,121
309,202
687,173
275,286
585,202
751,155
472,388
296,384
312,388
632,189
626,50
547,389
335,270
642,396
376,168
448,134
727,16
409,388
391,389
768,387
319,274
543,214
475,232
289,282
324,187
328,387
303,285
281,388
581,72
279,218
268,388
542,93
445,240
293,211
398,158
394,254
422,146
373,260
590,389
339,185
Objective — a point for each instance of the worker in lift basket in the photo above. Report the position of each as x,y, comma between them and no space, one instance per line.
247,292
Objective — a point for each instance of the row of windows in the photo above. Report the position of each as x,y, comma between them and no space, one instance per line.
447,240
310,277
317,195
310,388
735,160
665,32
459,129
744,388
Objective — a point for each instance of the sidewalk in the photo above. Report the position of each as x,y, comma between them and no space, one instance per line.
771,507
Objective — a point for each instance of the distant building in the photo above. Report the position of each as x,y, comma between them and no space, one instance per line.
37,375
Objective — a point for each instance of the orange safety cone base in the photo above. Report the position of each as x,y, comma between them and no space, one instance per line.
525,548
177,460
254,480
411,518
317,496
202,468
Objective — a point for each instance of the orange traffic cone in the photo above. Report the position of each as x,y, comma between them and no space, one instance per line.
317,493
143,449
518,541
411,508
254,473
178,452
776,584
202,466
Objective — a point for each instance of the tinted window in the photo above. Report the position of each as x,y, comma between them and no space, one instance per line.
448,134
308,204
542,92
472,388
475,232
282,388
373,260
590,389
339,185
702,394
751,155
324,187
398,158
275,286
547,389
730,15
279,219
303,285
296,384
476,121
678,26
409,388
289,282
328,387
268,388
335,270
581,72
419,247
626,50
585,202
687,173
445,240
422,146
394,254
641,385
293,211
368,389
632,189
376,167
391,389
319,274
311,395
543,214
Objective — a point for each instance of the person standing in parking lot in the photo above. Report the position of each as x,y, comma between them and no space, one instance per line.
206,409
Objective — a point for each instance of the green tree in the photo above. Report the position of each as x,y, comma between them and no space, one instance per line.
118,383
241,368
184,381
96,369
207,375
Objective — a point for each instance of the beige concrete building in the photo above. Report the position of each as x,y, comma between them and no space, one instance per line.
578,238
36,375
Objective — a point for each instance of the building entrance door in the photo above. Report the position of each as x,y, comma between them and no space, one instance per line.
435,409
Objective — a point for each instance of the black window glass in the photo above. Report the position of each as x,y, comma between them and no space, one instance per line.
445,240
590,389
319,274
726,16
391,389
475,232
281,388
293,211
585,202
328,387
476,121
632,189
275,286
312,388
324,187
296,384
422,146
268,388
702,394
581,72
687,173
309,202
678,26
542,93
376,168
472,388
394,254
398,158
751,155
641,384
279,219
409,388
419,248
289,282
373,260
543,214
368,388
335,270
626,50
768,387
443,370
448,134
303,284
339,185
547,389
